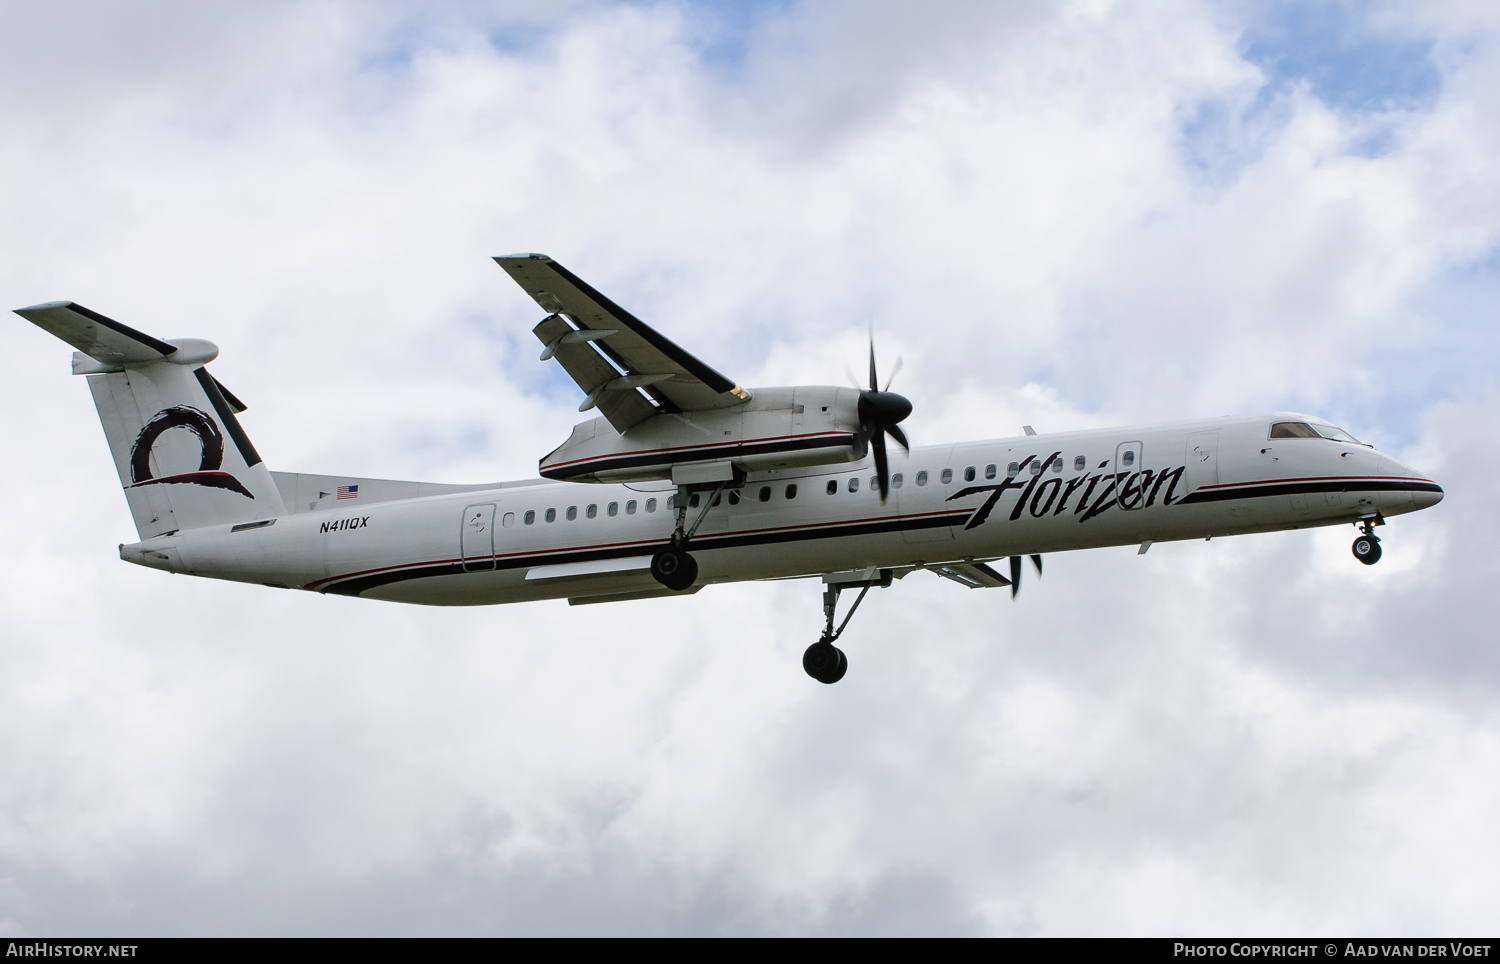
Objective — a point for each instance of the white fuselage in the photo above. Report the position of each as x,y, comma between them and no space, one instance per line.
1188,480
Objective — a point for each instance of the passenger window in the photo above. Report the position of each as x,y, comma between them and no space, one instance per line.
734,497
922,477
765,493
832,488
1080,463
614,509
572,512
509,520
989,471
854,484
592,512
791,490
1057,464
718,497
1036,467
650,505
693,502
551,515
874,482
969,474
947,476
896,481
1128,459
630,507
1012,470
529,517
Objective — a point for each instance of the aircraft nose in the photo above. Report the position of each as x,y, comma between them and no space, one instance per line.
1426,498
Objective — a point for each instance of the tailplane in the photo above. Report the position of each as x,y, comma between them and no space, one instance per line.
183,458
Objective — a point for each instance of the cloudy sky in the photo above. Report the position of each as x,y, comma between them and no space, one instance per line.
1064,214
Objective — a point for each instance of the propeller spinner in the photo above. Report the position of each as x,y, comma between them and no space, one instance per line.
879,414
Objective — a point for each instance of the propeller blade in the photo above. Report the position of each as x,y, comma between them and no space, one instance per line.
874,379
882,470
849,374
1037,561
1015,575
894,369
894,431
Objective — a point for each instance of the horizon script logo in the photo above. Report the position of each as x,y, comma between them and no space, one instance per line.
1128,490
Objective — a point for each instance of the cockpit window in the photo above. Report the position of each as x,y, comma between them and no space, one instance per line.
1311,430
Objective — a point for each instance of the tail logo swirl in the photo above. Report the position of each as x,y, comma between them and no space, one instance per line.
209,437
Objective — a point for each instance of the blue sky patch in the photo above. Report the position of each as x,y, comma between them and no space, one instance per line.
1346,63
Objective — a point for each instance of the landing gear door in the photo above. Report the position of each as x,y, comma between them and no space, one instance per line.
477,538
1129,492
1202,460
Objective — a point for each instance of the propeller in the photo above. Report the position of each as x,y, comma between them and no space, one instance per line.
879,413
1015,572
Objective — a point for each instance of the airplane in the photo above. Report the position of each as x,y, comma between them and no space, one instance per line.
686,479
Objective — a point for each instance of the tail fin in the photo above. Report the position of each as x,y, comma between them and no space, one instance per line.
166,419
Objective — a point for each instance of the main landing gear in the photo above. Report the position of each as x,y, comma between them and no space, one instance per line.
674,567
1367,547
824,661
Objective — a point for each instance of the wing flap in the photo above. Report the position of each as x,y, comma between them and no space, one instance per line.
635,348
623,407
974,575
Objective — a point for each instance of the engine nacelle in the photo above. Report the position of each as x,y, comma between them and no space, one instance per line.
778,428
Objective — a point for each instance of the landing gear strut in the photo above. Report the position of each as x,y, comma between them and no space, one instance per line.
824,661
673,566
1367,547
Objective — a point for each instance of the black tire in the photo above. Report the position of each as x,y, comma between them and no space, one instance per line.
825,662
1367,550
674,568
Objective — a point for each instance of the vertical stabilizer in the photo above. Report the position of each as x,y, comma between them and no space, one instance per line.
183,458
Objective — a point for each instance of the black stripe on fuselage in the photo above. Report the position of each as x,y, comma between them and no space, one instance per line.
606,464
1308,488
358,584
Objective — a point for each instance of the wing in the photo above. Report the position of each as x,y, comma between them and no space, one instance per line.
611,353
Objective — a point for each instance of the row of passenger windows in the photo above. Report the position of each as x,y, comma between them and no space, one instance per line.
971,473
572,513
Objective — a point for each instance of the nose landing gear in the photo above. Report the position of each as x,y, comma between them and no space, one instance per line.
1367,547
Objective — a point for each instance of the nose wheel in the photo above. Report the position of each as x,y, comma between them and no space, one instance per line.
1367,547
825,662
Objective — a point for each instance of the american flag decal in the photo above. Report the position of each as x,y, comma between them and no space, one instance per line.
347,492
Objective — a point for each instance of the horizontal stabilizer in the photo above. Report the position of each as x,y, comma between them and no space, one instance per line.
105,346
101,338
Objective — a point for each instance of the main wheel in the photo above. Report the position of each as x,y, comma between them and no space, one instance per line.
1367,550
825,662
674,568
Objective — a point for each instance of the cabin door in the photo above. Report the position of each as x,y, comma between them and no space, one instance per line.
1202,459
477,538
1129,492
